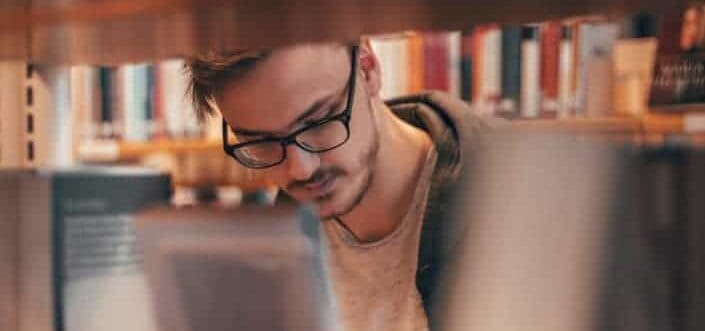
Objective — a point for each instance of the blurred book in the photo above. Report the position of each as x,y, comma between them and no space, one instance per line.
72,262
626,255
679,75
12,116
251,268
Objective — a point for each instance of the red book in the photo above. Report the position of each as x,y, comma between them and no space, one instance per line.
550,51
478,37
436,61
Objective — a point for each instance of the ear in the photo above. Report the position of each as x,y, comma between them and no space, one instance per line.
370,69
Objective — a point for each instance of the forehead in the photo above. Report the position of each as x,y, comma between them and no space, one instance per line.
283,86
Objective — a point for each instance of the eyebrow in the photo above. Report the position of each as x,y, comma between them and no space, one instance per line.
316,106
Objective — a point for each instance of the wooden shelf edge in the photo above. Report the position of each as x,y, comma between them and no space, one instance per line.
115,151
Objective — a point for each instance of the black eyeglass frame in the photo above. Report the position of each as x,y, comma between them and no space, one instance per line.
343,117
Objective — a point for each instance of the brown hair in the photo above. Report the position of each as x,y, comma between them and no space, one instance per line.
209,72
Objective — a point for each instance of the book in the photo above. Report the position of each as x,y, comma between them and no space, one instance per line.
466,65
250,268
454,63
530,72
594,93
550,63
511,70
478,54
75,265
416,63
178,113
50,140
395,60
566,73
492,69
679,75
436,61
12,114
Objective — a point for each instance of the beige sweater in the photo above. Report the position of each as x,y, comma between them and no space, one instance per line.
375,283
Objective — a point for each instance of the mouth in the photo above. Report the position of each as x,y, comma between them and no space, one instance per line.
320,187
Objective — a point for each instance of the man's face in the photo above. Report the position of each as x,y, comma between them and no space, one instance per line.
286,91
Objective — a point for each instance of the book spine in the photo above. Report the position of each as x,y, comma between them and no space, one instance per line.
492,75
478,46
566,73
119,98
157,127
466,67
52,132
141,103
454,40
416,63
436,62
595,70
511,70
126,102
550,49
171,84
12,105
530,73
107,95
393,54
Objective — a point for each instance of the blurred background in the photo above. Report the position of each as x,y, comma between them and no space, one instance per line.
102,83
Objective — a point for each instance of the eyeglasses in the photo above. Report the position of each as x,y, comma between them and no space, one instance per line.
322,136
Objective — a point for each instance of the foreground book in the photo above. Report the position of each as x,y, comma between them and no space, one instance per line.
251,268
67,249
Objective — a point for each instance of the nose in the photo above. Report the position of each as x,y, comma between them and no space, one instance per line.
299,163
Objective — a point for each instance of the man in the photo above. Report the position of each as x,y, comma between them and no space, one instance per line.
312,118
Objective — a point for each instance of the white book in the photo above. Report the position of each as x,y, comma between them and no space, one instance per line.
595,68
52,136
83,102
180,116
530,73
394,58
566,75
126,102
12,119
454,74
492,75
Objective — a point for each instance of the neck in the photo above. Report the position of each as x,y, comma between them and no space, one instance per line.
402,153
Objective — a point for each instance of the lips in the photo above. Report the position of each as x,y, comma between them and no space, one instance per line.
321,186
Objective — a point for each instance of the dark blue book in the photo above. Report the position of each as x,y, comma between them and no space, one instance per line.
511,69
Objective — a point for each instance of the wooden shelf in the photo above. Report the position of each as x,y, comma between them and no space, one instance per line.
583,125
655,124
120,151
117,151
118,31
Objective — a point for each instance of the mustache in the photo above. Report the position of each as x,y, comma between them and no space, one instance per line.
316,176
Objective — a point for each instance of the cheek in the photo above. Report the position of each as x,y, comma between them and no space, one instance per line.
278,176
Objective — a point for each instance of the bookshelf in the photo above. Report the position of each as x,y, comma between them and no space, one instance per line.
121,151
118,31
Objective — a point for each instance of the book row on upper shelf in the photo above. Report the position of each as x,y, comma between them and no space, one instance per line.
579,67
135,102
573,68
